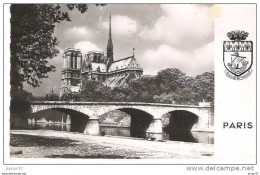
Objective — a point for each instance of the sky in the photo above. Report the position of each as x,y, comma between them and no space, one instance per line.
163,35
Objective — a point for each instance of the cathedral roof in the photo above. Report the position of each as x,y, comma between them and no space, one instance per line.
102,67
121,64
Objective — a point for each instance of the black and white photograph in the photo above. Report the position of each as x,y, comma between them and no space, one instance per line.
119,84
112,81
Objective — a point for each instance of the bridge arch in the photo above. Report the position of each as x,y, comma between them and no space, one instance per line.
180,124
68,108
78,120
124,108
139,120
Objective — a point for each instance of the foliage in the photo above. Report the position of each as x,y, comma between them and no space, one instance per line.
204,86
33,42
168,86
52,97
32,45
95,91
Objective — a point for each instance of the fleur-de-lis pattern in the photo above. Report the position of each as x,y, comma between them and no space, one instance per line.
238,46
237,35
227,46
248,46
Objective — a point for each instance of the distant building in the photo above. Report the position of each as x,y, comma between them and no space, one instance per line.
51,96
96,66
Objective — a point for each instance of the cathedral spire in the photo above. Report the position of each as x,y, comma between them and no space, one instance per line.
110,44
110,34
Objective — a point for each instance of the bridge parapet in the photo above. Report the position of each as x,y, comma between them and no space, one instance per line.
116,103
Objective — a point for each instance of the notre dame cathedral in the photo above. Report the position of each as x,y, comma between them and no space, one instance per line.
96,66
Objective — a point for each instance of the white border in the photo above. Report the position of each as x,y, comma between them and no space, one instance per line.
68,169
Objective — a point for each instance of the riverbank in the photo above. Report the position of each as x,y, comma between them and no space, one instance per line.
60,144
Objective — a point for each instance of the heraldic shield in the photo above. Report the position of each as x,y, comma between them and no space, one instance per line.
238,55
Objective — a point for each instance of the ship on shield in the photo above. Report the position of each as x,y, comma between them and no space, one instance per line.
238,55
238,64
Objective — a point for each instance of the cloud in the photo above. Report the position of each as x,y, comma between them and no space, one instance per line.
86,46
186,26
164,36
165,56
122,26
78,32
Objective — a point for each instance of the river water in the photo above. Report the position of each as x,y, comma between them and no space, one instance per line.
197,137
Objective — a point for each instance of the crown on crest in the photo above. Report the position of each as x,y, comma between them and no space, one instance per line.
237,35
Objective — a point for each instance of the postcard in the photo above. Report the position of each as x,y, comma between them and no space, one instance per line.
130,84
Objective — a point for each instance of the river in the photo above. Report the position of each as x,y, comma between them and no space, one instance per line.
196,137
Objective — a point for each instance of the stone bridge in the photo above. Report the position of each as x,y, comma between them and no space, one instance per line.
147,116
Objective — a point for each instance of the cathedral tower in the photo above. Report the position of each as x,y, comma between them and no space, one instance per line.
110,45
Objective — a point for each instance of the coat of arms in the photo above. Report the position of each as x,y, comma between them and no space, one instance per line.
238,55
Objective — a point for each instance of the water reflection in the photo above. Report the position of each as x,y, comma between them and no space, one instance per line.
185,136
197,137
50,126
116,131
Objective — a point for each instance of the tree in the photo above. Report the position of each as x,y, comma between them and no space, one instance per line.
95,91
32,45
186,96
52,97
168,86
204,85
166,98
170,75
33,42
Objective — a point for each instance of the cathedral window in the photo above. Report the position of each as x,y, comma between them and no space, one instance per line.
75,62
71,61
